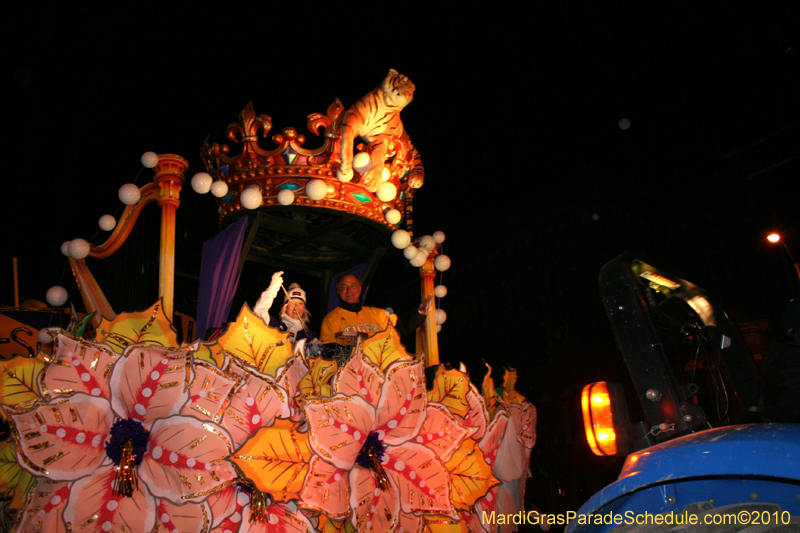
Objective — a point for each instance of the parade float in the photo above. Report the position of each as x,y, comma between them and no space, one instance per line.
127,429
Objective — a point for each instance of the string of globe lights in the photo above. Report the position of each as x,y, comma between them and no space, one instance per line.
417,253
129,194
316,189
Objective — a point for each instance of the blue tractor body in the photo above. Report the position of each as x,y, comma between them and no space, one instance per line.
714,470
691,466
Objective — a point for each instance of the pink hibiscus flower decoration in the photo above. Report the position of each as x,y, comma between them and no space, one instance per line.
368,456
135,459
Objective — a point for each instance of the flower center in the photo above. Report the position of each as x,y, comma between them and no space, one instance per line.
370,457
126,448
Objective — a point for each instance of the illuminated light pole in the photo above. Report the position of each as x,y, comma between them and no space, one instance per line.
430,340
773,238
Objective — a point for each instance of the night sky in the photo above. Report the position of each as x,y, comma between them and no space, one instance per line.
517,118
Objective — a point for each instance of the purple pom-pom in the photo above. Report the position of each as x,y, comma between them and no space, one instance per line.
373,442
127,430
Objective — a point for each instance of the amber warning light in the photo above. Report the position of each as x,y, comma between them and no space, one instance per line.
605,418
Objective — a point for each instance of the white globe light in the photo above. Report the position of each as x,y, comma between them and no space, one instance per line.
107,222
427,242
286,197
419,260
65,248
78,248
410,252
440,291
401,239
129,194
441,263
386,192
150,159
393,216
624,124
316,189
386,174
330,188
56,296
438,236
219,188
362,162
45,337
441,316
251,198
201,182
438,328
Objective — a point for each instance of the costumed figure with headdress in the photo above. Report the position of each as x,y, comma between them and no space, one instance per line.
293,317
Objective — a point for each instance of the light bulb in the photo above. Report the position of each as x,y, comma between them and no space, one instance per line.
441,263
219,188
201,182
316,189
401,239
107,222
56,296
393,216
251,198
45,337
387,191
427,242
129,194
78,248
150,159
362,162
286,197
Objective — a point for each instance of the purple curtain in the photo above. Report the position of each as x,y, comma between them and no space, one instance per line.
218,276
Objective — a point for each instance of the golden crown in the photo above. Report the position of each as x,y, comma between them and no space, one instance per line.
310,174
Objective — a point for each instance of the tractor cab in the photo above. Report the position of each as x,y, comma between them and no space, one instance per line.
701,448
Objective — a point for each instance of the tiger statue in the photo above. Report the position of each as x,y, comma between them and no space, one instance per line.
376,119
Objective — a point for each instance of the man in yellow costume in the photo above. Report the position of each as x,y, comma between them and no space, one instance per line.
353,317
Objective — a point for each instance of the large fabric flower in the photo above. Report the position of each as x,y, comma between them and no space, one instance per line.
497,500
94,443
366,444
265,440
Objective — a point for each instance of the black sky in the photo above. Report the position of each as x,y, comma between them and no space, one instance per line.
516,116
